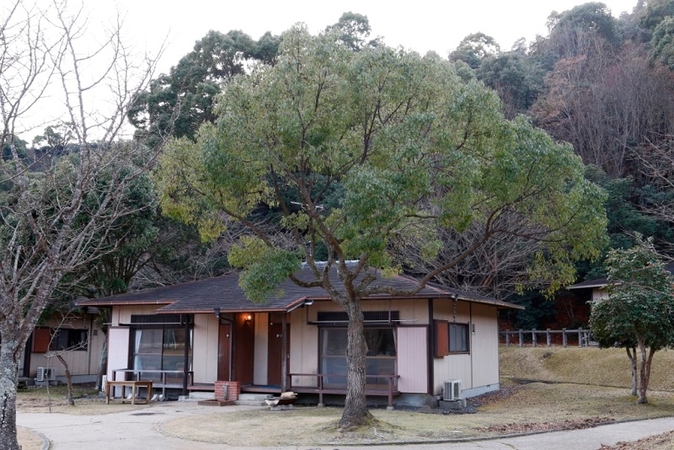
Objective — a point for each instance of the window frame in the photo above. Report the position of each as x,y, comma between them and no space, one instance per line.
76,339
328,357
452,327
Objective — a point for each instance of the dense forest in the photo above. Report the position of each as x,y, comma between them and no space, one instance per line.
603,84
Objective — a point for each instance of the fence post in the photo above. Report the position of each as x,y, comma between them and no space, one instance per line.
520,336
547,336
533,337
580,337
507,338
564,342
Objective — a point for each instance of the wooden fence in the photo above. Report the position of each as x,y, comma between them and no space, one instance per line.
548,338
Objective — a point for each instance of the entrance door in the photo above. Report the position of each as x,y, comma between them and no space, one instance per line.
224,352
276,353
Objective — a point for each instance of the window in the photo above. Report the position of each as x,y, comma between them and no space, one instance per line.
459,339
380,359
159,349
67,339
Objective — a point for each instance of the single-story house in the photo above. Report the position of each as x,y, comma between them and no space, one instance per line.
193,334
77,339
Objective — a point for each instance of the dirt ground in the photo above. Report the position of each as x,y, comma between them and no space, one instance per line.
519,407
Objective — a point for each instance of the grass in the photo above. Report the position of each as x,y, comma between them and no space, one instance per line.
594,366
572,388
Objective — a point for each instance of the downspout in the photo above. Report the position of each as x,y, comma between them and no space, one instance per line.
429,349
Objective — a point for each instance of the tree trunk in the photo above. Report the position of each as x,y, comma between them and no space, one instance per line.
355,412
69,380
9,378
102,362
632,355
644,372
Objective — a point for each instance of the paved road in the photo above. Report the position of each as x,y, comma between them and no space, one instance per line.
140,430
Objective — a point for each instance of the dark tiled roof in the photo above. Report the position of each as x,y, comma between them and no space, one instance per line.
596,283
603,282
225,293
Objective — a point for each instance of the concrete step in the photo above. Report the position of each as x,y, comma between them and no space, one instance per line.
253,399
199,395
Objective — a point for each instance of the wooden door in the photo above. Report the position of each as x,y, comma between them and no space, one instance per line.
244,347
412,359
276,353
224,352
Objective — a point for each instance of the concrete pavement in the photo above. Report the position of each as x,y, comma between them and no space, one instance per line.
141,430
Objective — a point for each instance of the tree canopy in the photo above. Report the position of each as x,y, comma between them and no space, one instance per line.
362,152
639,309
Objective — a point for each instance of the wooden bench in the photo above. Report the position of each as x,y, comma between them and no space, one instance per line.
133,384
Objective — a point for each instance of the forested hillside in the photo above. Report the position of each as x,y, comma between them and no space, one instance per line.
603,84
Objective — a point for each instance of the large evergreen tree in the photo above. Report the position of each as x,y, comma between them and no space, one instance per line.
410,149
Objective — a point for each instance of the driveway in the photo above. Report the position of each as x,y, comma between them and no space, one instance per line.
141,430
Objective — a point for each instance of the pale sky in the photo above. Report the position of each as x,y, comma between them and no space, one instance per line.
421,25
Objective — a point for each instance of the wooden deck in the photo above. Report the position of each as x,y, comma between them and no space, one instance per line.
321,388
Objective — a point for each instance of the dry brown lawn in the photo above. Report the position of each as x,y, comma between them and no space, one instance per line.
519,408
565,389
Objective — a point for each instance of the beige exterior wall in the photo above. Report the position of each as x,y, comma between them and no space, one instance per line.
484,345
479,368
599,293
122,314
80,362
118,350
205,348
476,370
304,345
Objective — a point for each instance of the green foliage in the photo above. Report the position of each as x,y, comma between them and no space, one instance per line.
178,103
353,30
592,17
663,43
517,78
263,268
355,149
474,48
656,12
640,305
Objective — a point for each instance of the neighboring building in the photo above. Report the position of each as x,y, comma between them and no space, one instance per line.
76,339
596,289
190,335
591,289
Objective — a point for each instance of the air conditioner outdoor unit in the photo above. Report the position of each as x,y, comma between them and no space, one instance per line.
452,390
45,374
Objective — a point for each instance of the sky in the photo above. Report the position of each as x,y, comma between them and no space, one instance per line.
420,25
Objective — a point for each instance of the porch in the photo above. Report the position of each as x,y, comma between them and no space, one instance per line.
324,384
336,384
160,379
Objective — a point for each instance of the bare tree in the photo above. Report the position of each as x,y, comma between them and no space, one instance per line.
61,351
496,268
56,213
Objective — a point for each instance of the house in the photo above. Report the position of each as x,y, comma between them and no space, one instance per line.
596,289
76,338
190,335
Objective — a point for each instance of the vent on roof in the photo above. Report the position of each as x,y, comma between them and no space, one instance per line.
337,318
